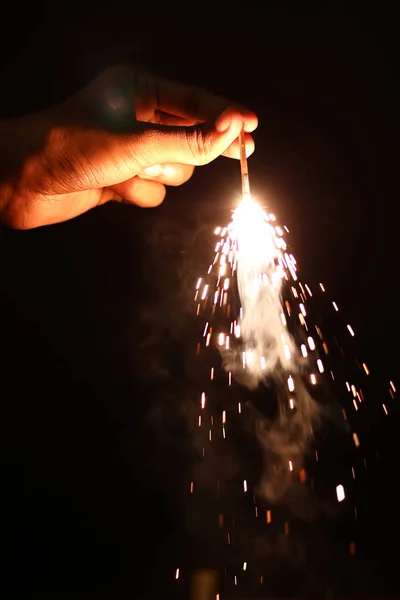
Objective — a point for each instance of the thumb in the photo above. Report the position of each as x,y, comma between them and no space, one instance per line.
196,145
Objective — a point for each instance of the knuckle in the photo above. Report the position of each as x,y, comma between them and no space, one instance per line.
199,145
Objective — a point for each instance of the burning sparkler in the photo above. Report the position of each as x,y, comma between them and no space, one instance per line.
263,333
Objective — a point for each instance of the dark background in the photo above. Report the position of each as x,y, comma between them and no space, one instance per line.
95,313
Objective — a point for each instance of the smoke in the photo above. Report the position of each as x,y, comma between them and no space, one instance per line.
259,275
284,442
265,351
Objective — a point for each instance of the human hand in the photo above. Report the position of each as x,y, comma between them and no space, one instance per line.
126,136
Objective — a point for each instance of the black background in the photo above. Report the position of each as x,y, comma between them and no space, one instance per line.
95,312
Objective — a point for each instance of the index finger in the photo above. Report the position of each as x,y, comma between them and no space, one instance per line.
189,102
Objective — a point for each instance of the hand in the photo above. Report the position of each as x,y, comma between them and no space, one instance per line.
124,137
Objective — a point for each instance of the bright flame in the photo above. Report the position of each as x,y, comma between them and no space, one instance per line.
261,268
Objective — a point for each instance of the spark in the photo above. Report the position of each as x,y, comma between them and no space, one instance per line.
286,351
286,528
340,493
349,327
256,342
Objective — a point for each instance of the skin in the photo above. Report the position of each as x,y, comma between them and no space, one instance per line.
126,136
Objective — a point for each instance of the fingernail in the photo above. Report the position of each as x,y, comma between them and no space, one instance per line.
223,122
153,171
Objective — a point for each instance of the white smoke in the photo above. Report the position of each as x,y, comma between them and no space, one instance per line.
261,264
265,348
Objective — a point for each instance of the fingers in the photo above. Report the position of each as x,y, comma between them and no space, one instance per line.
196,145
168,174
108,160
141,192
234,149
156,95
162,118
148,189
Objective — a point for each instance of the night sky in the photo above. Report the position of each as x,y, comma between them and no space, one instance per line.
96,313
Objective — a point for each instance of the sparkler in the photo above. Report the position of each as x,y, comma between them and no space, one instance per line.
261,260
256,312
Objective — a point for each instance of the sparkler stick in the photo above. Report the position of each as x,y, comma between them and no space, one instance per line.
243,166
